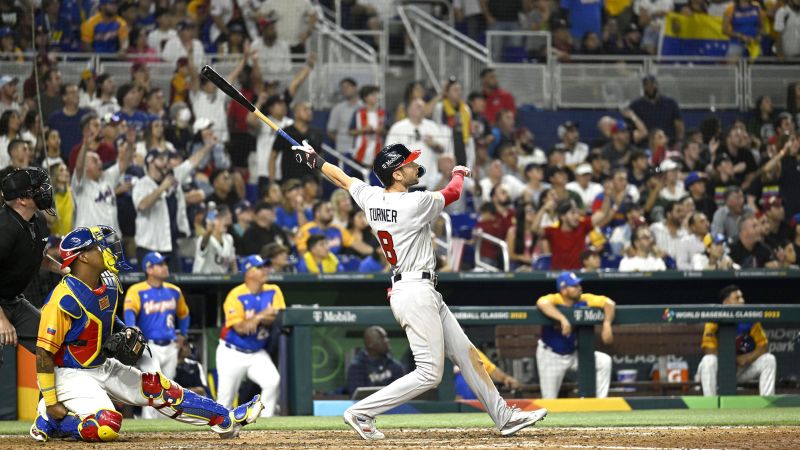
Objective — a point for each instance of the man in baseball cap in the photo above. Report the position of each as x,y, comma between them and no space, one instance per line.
8,93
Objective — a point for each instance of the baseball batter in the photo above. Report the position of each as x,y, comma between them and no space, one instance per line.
557,349
402,222
250,309
80,371
159,310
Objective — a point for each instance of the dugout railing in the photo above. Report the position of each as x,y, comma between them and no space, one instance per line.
297,322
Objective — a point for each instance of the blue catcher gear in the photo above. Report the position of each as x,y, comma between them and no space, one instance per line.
105,238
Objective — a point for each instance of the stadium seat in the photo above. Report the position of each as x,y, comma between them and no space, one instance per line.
463,224
542,262
610,261
515,54
350,263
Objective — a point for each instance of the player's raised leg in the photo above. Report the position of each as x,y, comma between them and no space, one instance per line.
461,351
418,313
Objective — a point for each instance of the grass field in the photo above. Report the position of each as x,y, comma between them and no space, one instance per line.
640,418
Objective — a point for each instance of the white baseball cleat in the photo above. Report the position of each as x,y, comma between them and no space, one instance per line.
364,426
521,419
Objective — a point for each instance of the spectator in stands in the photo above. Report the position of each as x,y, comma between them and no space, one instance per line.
361,233
243,216
749,250
521,239
223,193
185,45
301,130
272,48
726,218
673,189
694,157
509,158
275,106
567,238
454,113
52,151
658,147
292,214
105,32
669,231
534,186
297,22
762,119
558,179
262,231
737,146
154,104
417,132
341,114
164,30
495,223
139,51
787,25
695,186
563,44
220,14
640,171
129,97
337,237
373,365
10,126
216,157
105,102
693,243
619,149
342,207
575,151
189,373
622,235
644,256
375,263
207,100
179,129
414,90
181,80
481,128
51,97
19,154
470,14
140,77
277,258
590,261
467,202
62,199
753,360
623,195
787,257
776,230
652,17
722,178
68,119
501,15
161,206
583,185
794,224
744,22
789,180
497,98
8,47
715,256
93,187
600,166
318,259
556,352
8,93
368,125
503,132
584,17
214,251
658,111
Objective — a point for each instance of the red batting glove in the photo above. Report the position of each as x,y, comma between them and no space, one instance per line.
462,170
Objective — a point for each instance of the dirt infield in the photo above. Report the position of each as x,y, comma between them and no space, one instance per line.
568,438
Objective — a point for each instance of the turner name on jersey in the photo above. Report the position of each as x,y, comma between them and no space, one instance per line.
383,215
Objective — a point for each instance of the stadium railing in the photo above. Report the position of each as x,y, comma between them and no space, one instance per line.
298,322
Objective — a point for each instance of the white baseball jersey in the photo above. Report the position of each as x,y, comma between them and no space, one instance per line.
264,142
402,223
95,201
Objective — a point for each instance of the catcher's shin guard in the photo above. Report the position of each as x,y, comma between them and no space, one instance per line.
183,405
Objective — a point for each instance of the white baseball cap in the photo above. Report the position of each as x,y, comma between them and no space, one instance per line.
201,124
668,165
6,79
583,169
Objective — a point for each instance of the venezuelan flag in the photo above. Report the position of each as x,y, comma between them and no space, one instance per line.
694,35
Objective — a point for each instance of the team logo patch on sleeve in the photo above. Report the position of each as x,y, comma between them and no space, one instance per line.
104,302
51,330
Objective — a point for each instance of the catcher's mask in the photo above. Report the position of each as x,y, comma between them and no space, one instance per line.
103,237
34,183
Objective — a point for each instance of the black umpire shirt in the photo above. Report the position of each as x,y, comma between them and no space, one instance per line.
22,246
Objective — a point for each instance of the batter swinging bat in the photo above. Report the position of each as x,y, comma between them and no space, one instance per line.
231,91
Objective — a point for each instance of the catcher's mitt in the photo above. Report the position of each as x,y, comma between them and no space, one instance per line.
126,346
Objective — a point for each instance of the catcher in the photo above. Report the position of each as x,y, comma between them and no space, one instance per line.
85,352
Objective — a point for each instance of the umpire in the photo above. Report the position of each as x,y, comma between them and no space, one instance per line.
23,237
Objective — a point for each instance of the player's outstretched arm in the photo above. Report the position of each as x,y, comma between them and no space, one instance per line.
315,162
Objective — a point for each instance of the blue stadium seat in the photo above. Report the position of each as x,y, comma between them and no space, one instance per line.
610,261
542,262
463,224
349,263
670,263
515,54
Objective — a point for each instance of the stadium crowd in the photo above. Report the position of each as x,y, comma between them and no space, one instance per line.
198,178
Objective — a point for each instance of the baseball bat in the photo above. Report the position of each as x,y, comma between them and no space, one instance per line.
233,93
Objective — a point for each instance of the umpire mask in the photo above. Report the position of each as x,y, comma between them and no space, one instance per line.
33,183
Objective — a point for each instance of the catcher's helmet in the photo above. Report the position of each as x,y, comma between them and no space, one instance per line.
391,158
82,239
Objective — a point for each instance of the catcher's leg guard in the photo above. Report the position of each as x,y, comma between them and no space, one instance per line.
183,405
102,426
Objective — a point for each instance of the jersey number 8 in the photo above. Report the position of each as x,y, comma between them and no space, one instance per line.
387,244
